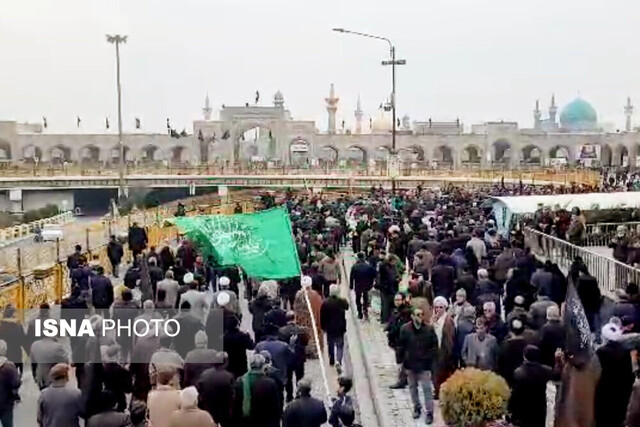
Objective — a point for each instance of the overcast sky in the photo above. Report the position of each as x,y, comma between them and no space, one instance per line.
477,60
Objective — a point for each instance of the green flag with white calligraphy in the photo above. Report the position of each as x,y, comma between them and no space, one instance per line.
261,243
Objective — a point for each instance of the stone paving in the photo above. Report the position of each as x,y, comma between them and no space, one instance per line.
394,406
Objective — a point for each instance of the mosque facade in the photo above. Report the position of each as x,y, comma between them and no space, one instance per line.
258,133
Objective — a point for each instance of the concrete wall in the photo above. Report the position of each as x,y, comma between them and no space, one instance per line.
37,199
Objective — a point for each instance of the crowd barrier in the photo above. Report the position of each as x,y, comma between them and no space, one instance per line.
601,234
17,232
527,175
39,274
611,274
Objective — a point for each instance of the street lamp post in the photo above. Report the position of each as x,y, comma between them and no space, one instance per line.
116,40
393,62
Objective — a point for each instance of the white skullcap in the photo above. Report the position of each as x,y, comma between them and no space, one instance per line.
223,299
394,229
483,273
440,301
188,278
189,397
224,281
462,292
611,332
306,281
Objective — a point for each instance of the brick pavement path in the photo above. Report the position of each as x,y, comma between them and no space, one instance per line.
394,406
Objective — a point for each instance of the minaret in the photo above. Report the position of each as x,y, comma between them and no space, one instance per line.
536,115
553,110
358,113
332,107
628,112
207,108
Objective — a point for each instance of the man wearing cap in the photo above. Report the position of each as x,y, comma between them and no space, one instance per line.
198,360
189,326
58,404
232,300
170,288
511,350
303,317
256,397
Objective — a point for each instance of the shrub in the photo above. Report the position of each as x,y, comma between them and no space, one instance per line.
473,398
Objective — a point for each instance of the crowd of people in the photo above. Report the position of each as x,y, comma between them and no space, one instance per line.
453,293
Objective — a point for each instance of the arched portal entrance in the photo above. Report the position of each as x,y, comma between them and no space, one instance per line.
621,156
472,155
5,150
256,143
299,152
502,152
150,154
31,153
443,156
115,155
532,155
329,155
178,155
560,155
60,154
357,156
89,155
606,155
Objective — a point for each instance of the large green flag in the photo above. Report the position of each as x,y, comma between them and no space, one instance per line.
261,243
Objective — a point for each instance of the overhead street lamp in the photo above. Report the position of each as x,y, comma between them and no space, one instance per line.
393,62
116,39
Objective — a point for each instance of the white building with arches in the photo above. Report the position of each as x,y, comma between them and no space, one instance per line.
268,133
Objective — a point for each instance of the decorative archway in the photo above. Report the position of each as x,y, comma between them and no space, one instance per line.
561,152
255,141
329,155
532,154
150,154
472,155
621,156
115,155
299,150
5,150
89,154
31,152
443,155
178,155
502,151
60,154
413,153
606,155
357,155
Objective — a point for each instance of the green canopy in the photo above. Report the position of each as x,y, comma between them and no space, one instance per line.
261,243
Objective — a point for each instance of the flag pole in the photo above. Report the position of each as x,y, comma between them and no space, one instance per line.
317,339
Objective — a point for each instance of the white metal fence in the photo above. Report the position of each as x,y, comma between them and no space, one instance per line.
611,274
600,234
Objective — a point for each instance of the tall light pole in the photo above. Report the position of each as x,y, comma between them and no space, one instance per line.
116,40
393,62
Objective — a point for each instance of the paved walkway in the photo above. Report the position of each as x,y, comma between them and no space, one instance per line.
394,407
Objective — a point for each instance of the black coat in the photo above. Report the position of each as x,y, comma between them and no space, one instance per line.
9,385
333,318
387,278
615,385
118,380
259,307
552,337
305,412
215,388
266,407
418,347
528,402
137,238
184,342
362,276
510,357
443,279
115,252
13,334
101,292
236,343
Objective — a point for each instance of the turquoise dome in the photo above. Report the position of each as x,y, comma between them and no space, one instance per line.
578,114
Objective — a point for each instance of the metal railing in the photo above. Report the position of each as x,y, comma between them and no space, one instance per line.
601,233
611,274
527,175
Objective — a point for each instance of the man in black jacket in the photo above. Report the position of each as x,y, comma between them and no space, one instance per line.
137,239
305,410
296,336
443,279
115,254
333,321
101,292
361,279
418,347
388,284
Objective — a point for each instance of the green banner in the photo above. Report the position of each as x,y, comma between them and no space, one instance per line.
261,243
